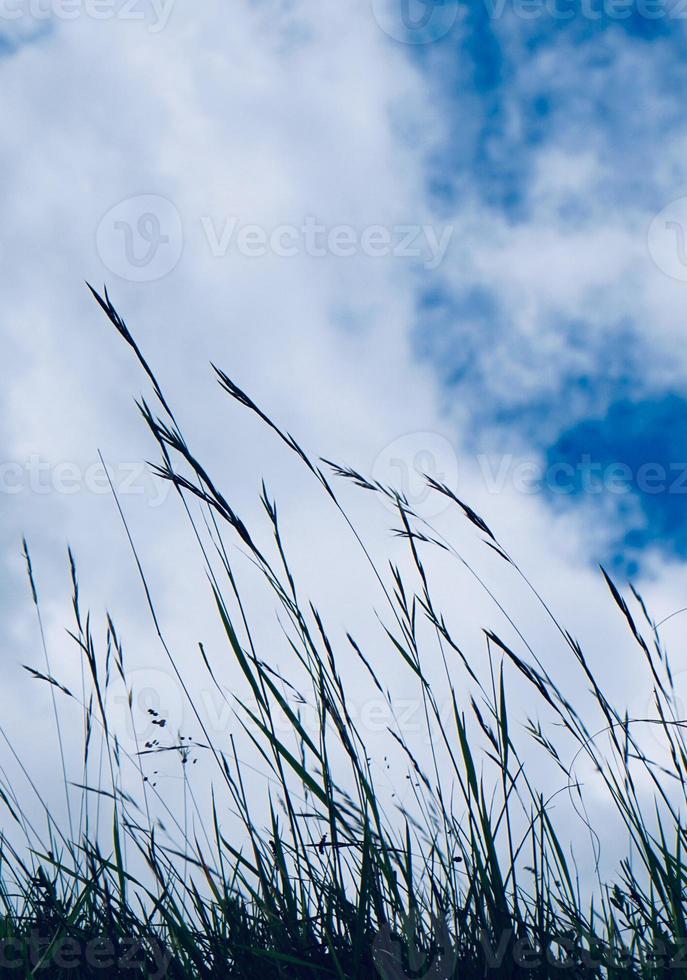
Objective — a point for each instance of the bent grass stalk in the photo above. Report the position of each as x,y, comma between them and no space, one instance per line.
472,874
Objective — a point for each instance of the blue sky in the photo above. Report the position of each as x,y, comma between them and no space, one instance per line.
549,122
548,331
513,92
544,134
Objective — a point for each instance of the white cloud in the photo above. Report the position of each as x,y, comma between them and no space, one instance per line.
271,115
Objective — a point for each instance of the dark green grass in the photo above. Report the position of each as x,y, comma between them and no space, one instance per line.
322,873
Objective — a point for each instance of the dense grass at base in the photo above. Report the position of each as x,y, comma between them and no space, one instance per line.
475,879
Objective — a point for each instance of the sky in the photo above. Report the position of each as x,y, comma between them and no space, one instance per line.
436,237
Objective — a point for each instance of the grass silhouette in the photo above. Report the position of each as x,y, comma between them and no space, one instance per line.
470,876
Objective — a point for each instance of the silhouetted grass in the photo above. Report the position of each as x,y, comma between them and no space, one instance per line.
471,875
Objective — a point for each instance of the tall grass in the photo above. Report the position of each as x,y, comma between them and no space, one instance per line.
323,873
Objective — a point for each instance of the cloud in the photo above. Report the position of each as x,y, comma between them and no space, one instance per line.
272,115
551,307
285,113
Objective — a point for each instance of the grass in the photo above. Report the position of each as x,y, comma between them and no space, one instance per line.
321,872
